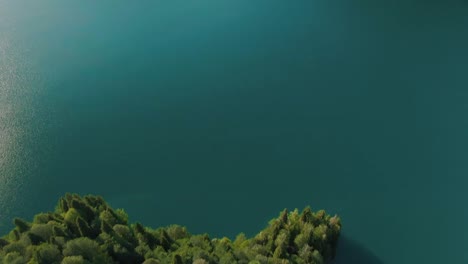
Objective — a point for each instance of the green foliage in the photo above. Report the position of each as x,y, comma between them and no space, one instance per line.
21,225
123,231
151,261
15,247
87,248
71,216
85,230
14,258
122,216
35,239
3,242
44,231
47,254
176,232
74,260
83,208
177,259
42,218
62,207
108,217
14,235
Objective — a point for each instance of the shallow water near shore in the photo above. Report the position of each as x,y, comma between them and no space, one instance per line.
216,115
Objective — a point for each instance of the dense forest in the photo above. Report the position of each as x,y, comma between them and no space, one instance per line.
87,230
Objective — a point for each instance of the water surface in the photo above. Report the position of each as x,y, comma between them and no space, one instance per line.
218,114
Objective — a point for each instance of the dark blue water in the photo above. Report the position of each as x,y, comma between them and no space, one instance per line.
218,114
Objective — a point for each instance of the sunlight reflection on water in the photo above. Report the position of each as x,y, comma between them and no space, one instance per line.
16,116
9,184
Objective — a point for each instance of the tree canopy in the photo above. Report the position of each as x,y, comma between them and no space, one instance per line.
85,229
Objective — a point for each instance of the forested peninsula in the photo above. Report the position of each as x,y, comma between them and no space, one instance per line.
85,229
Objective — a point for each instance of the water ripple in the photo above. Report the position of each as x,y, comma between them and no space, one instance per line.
17,113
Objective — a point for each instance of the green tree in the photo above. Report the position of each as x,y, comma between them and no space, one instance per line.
47,254
87,248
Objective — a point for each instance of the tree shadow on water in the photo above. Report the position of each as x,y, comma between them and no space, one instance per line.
352,252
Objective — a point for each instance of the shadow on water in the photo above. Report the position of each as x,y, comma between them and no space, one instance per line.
352,252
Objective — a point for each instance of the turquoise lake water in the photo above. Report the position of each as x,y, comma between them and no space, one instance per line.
218,114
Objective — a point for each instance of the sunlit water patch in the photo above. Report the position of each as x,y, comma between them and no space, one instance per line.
9,132
18,116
